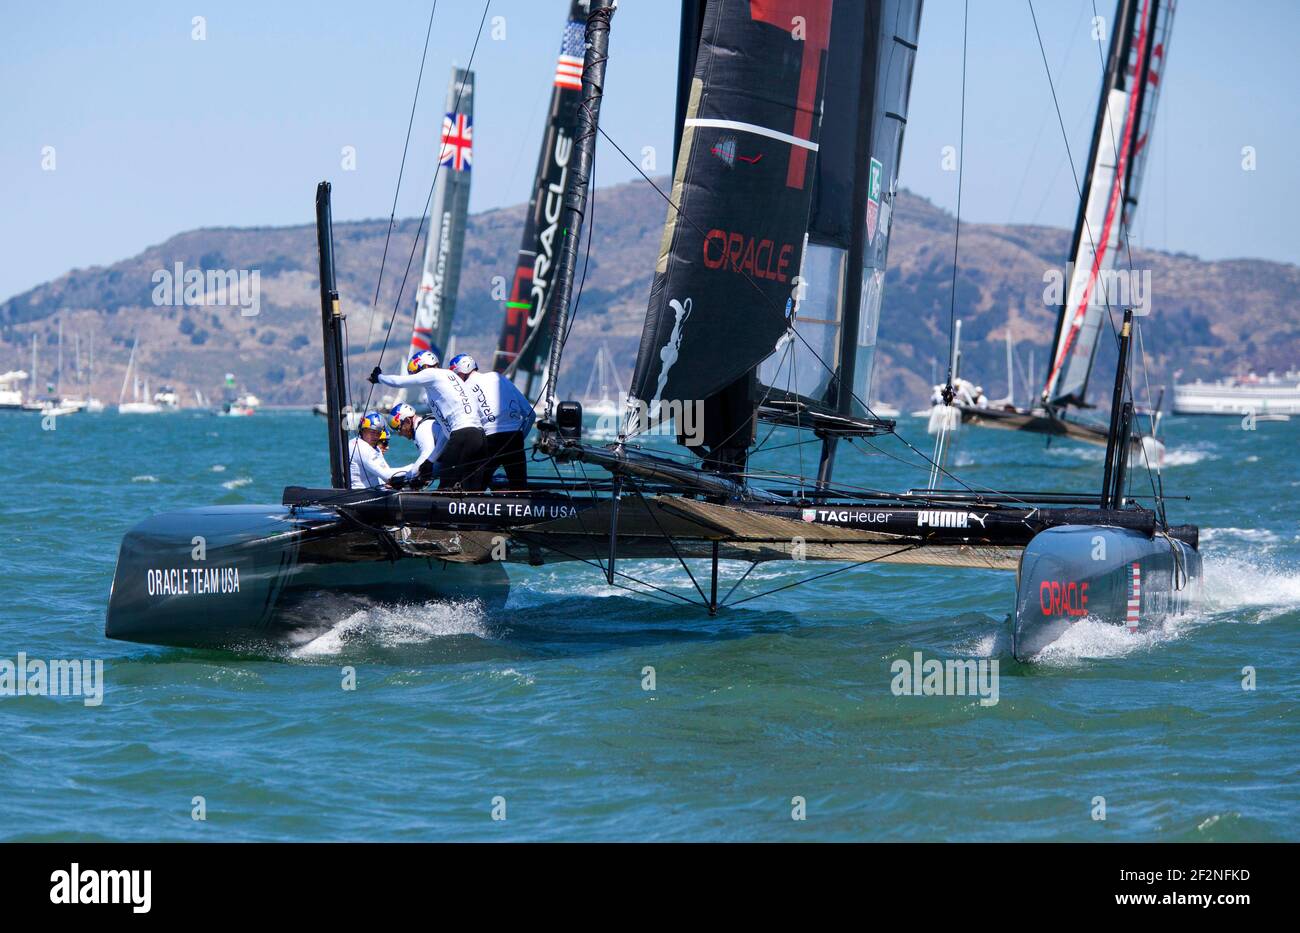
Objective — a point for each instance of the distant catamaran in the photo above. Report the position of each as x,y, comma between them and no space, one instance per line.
525,336
435,302
435,306
1121,138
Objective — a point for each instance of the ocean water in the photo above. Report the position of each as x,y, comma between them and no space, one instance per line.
540,709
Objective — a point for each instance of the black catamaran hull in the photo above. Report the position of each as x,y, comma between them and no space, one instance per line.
1144,449
248,577
252,576
1114,575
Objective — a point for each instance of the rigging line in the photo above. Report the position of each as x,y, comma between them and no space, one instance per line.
1042,123
1156,478
425,213
669,538
743,577
578,512
822,576
1087,227
956,238
392,214
619,573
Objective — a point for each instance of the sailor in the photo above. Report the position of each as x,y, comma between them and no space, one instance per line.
429,438
506,415
367,465
461,461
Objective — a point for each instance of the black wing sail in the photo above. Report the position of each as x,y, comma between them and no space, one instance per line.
824,362
741,189
525,339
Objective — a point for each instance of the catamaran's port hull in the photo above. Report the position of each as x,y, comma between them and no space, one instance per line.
1113,575
245,577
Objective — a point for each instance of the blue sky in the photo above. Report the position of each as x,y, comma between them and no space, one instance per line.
155,133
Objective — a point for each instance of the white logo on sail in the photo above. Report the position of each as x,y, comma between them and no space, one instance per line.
671,350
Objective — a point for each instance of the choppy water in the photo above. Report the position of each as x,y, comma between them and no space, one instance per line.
543,705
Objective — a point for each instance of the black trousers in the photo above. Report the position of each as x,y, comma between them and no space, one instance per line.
463,460
506,450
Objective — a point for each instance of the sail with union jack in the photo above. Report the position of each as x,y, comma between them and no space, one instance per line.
435,301
457,141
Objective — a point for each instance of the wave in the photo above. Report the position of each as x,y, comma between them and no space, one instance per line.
144,478
1187,456
237,482
396,626
1263,588
1235,536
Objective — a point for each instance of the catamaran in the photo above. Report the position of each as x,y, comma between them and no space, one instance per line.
787,166
1099,257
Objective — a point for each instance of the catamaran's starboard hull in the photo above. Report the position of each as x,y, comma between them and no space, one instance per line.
1113,575
246,577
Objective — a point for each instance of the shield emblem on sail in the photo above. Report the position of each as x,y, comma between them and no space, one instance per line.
873,199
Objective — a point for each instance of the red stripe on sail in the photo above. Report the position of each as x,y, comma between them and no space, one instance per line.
816,17
1116,187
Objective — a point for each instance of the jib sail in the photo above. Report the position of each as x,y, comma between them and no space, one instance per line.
436,300
1121,137
525,338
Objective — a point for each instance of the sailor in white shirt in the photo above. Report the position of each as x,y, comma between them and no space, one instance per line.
506,415
367,465
461,459
429,438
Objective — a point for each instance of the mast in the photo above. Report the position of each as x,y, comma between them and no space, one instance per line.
525,332
1121,412
575,192
332,339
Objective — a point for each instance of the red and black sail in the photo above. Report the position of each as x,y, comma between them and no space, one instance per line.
783,190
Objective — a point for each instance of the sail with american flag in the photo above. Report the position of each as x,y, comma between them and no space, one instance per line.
568,68
525,333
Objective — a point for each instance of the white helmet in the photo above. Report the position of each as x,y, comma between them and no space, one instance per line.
399,414
462,364
425,359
